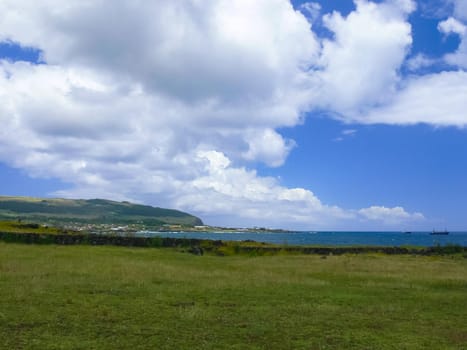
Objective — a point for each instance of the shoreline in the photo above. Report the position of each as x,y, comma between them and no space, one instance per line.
221,247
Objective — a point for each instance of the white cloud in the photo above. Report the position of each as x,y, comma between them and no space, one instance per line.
360,64
361,79
157,103
437,99
212,67
168,103
349,132
192,51
345,133
268,146
312,10
451,25
224,190
458,25
408,6
396,215
419,61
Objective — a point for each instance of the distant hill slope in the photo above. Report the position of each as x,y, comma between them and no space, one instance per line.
90,211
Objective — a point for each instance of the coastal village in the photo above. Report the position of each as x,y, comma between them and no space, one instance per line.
134,228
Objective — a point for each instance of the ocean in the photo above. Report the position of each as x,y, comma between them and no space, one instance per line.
327,238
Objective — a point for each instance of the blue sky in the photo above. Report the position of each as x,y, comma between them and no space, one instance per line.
307,115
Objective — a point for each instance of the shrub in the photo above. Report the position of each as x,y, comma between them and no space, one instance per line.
156,241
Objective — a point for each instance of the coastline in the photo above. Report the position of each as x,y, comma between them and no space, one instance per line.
220,247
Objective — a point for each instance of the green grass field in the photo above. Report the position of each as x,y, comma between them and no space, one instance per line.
85,297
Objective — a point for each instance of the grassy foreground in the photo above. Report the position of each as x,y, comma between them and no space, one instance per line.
84,297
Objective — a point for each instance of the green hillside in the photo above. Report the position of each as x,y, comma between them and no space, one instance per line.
90,211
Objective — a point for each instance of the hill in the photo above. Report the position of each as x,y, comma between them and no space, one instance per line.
90,211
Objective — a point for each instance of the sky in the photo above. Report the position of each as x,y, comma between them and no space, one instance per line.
321,115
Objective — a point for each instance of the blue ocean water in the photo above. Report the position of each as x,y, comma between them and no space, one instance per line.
327,238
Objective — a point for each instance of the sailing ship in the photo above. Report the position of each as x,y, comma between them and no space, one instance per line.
434,232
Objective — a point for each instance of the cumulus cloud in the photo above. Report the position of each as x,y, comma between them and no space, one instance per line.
216,51
437,99
267,145
156,103
360,64
452,25
389,215
171,102
361,80
263,201
213,68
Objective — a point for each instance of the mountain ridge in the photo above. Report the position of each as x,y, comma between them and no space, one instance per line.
91,211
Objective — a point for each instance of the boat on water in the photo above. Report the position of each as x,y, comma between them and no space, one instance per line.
434,232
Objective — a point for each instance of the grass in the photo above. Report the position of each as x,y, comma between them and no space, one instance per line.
20,227
84,297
